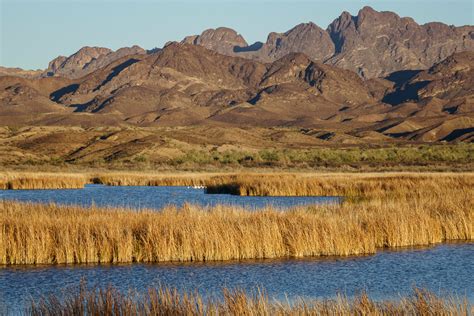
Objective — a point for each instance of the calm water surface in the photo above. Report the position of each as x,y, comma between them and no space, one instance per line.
442,269
445,269
154,197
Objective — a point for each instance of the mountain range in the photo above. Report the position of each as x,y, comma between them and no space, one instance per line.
372,43
374,76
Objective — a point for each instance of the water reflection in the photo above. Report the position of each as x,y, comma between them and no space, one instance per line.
154,197
442,269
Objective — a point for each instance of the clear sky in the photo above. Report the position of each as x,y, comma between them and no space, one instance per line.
34,32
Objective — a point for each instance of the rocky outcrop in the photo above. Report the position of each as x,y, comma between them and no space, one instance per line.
87,60
447,86
222,40
373,44
307,38
186,84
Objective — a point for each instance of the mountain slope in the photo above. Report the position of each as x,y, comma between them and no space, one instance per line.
187,84
87,60
18,72
184,80
376,44
22,99
372,43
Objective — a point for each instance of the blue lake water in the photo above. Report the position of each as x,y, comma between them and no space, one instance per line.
444,269
154,197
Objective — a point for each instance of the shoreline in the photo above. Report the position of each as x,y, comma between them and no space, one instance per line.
322,259
379,211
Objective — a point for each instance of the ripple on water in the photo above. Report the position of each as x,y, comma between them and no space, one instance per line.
154,197
444,269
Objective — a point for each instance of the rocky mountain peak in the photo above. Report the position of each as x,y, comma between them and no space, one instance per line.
86,54
135,49
221,39
367,12
86,60
305,27
371,43
54,64
307,38
375,43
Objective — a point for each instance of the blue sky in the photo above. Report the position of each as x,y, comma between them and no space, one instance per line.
34,32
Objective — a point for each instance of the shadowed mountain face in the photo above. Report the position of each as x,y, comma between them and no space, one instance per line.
452,79
376,44
373,44
194,84
307,38
221,40
367,78
186,84
87,60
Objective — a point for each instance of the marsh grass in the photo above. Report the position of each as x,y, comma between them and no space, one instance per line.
422,210
383,210
183,179
257,184
169,301
30,180
348,185
63,180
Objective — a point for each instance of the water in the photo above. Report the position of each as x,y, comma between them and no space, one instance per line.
154,197
445,269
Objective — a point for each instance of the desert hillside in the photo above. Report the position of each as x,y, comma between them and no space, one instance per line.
371,78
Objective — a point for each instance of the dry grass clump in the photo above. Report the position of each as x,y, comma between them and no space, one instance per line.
433,212
167,301
257,184
60,180
399,210
349,185
298,184
24,181
178,179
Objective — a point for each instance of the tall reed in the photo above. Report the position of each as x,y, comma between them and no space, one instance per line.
48,234
30,180
168,301
353,185
177,179
258,184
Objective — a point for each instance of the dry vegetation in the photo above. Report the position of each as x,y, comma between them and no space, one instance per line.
183,179
30,180
342,184
257,184
207,148
398,211
67,180
166,301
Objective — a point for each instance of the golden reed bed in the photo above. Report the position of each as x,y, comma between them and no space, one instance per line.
41,180
166,301
270,183
64,180
340,184
397,212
